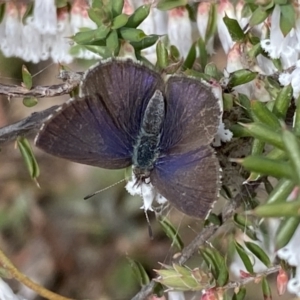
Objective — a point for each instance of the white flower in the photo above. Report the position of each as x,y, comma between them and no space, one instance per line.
146,190
180,30
44,14
6,293
292,79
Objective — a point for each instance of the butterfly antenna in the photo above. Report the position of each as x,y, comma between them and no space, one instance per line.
150,232
102,190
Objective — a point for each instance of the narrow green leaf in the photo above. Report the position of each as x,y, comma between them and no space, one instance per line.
244,257
283,101
227,101
202,52
212,70
95,15
140,14
139,272
245,225
172,233
277,210
210,261
190,59
132,34
258,16
259,253
147,42
119,21
277,154
297,118
117,7
170,4
265,134
86,37
26,77
267,166
241,77
234,29
212,22
286,231
162,55
292,148
287,18
100,50
267,294
196,74
28,157
281,191
264,115
112,42
2,11
240,295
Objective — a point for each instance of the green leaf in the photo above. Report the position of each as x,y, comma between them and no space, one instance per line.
263,165
2,11
132,34
28,157
264,115
103,51
282,101
265,133
281,191
139,272
162,55
259,253
241,77
202,52
292,148
30,101
287,18
258,16
140,14
26,77
28,12
170,4
112,42
240,295
286,231
267,294
277,210
245,225
212,22
190,59
87,37
234,29
117,7
95,16
297,118
244,257
172,233
148,41
212,70
227,101
119,21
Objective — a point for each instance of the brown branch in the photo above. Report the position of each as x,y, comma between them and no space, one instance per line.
72,80
15,273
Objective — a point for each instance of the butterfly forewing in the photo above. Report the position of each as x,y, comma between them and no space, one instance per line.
192,115
100,128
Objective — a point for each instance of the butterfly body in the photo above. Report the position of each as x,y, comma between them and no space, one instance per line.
128,115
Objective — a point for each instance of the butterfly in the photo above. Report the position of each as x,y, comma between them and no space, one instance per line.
128,115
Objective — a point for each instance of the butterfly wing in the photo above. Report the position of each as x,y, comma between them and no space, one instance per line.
187,173
190,181
100,128
192,117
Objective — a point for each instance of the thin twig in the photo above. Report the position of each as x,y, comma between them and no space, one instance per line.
72,80
15,273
